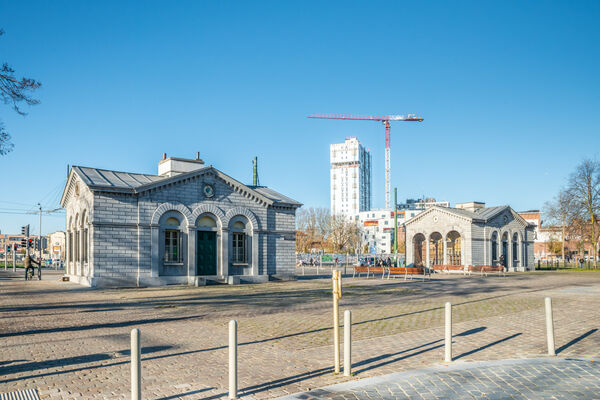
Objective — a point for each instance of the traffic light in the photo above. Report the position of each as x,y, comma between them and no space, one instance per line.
23,242
25,230
15,247
30,244
8,248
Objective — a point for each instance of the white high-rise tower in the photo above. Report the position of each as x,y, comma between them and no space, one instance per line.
350,177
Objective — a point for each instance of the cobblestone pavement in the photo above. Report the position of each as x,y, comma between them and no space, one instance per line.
570,378
71,342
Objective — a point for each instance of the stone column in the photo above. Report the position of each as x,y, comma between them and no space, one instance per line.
427,251
154,250
223,262
445,257
191,251
254,254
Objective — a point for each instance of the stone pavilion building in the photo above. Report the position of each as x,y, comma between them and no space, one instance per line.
188,224
470,234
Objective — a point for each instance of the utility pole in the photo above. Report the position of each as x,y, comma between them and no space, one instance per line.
40,234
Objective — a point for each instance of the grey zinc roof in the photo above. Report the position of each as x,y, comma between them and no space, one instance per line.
275,196
489,212
483,214
95,177
103,179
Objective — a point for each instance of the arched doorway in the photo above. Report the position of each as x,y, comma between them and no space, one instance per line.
515,250
505,249
453,248
419,244
436,249
494,258
206,245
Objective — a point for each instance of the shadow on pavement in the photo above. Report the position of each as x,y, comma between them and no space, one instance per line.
468,353
577,339
386,356
67,361
180,395
98,326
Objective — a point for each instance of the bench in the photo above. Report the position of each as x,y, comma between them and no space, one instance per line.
369,270
485,269
448,267
408,271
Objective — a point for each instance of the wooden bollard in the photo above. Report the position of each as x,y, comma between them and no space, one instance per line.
337,294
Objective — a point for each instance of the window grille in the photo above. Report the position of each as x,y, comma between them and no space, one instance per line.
172,245
239,247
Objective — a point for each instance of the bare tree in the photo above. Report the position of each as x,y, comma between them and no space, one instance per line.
344,235
313,225
14,91
561,212
584,191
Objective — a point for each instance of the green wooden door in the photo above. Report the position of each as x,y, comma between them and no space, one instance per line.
206,253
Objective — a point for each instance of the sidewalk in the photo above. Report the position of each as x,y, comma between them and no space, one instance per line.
538,378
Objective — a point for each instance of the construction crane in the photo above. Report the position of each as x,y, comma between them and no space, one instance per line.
386,120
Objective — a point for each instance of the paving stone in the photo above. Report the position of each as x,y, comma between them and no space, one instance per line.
69,341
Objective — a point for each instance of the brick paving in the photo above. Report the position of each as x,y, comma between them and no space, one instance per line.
551,378
72,343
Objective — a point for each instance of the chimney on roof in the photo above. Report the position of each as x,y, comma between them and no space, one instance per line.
171,166
471,205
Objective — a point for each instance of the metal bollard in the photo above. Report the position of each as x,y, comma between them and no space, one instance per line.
136,365
233,359
347,343
448,347
550,327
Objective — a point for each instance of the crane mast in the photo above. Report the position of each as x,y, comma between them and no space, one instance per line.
386,119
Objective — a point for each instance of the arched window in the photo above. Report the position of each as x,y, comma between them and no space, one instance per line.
84,238
515,249
172,241
494,247
76,239
238,237
207,222
70,240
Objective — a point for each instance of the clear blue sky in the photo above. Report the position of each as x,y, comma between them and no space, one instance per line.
510,93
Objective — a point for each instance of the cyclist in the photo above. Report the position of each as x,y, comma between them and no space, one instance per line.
28,265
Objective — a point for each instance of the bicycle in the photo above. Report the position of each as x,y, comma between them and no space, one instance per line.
30,273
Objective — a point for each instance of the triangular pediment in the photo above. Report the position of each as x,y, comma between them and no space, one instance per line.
209,171
70,189
451,212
